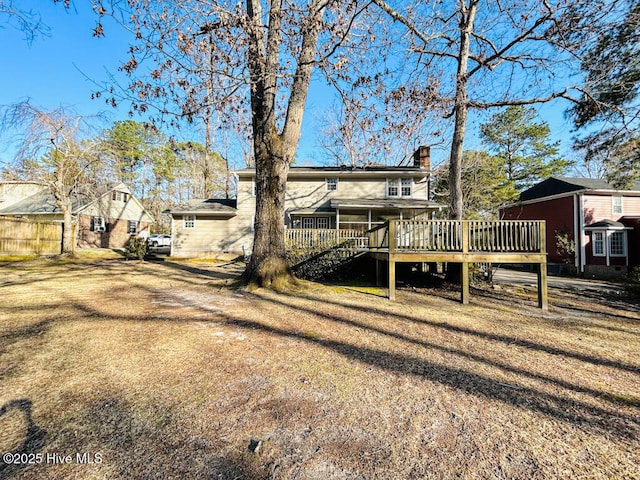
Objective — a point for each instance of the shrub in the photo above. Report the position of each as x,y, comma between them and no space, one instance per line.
633,281
136,248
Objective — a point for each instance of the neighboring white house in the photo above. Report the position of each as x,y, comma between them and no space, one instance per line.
316,198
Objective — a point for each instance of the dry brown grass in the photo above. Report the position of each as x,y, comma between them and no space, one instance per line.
168,372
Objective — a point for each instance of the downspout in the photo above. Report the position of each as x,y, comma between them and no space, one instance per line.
173,238
582,236
576,234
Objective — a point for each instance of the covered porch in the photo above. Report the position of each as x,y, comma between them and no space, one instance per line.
361,214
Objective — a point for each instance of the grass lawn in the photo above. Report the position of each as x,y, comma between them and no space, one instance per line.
162,370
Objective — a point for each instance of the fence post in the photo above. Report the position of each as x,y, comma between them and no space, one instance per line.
39,229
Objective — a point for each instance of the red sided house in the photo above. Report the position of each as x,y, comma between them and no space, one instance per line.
603,221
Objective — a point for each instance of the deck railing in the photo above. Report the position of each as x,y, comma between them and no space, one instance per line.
312,238
501,236
517,236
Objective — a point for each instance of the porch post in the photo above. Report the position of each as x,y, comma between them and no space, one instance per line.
392,278
464,294
369,224
543,300
337,219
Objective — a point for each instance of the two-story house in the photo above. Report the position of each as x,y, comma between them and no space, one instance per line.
316,198
108,218
601,220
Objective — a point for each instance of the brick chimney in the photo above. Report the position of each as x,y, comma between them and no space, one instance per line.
422,158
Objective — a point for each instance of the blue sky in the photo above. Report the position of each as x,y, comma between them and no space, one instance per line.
62,68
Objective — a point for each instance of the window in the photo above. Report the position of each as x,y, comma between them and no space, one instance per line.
125,197
392,187
405,187
616,204
399,187
322,222
598,244
119,196
616,244
132,226
189,221
97,224
308,222
331,184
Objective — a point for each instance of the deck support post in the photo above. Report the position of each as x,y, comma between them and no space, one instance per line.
464,294
378,273
464,281
543,300
392,279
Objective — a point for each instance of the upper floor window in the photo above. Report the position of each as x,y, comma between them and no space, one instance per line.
616,204
331,184
189,221
119,196
132,226
405,187
399,187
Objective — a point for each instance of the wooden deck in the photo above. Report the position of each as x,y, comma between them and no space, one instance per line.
451,241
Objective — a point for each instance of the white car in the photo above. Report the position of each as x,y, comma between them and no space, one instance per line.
158,240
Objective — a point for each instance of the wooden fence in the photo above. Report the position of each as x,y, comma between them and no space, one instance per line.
20,237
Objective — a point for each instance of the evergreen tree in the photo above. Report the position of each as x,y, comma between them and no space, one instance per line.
522,148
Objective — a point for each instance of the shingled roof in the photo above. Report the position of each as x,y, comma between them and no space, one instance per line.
206,206
559,185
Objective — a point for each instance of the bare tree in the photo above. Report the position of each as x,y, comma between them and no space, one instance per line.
53,149
29,21
496,53
262,55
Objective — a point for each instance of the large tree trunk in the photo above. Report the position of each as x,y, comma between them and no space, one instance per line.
268,266
461,109
68,238
275,151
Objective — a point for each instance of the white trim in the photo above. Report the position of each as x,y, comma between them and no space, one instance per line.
576,233
583,237
173,235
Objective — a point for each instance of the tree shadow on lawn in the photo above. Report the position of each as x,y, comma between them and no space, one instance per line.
567,410
32,443
517,341
202,272
460,353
